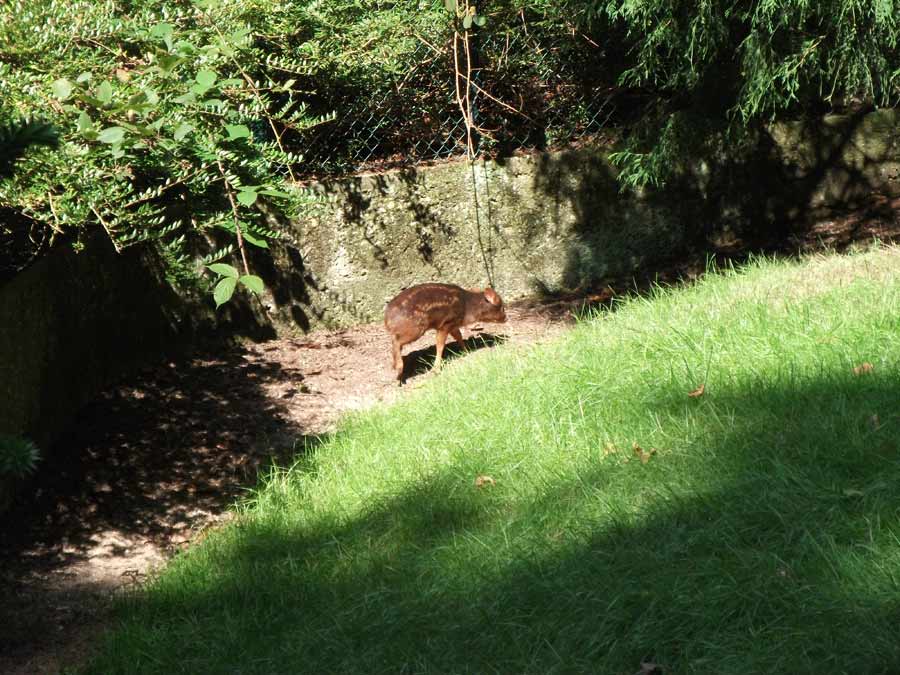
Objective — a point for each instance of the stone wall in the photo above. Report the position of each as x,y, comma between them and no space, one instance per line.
557,221
535,224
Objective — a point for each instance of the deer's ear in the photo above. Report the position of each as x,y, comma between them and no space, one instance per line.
491,295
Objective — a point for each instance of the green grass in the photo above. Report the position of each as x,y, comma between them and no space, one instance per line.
762,536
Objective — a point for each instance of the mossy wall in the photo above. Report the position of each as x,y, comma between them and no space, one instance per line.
529,224
558,221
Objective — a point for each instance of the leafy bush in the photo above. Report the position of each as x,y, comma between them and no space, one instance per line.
17,136
712,73
175,121
18,456
180,120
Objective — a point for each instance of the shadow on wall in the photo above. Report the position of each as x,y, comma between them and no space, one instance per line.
416,208
770,567
795,176
374,231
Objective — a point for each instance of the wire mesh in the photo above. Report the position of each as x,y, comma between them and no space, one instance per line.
529,91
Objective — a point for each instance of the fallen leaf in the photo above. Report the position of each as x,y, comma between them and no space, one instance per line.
648,668
853,492
874,423
123,75
643,455
863,368
610,448
698,392
481,481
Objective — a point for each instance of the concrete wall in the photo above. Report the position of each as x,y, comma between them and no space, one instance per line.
529,224
558,221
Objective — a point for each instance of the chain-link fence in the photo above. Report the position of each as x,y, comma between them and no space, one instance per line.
529,91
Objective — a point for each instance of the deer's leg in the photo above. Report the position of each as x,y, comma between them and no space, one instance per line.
441,340
398,357
457,335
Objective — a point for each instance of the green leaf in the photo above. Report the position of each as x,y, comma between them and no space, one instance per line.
161,30
168,63
190,97
105,92
247,197
479,20
236,131
62,89
84,77
136,101
183,130
84,122
251,238
467,22
225,270
224,290
206,78
183,48
253,282
238,37
450,5
111,135
274,193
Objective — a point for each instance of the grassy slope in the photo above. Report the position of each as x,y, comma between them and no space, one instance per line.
763,536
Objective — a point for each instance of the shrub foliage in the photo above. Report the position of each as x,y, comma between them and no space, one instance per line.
175,121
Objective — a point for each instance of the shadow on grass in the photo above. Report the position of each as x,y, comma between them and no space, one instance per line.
768,545
420,361
151,459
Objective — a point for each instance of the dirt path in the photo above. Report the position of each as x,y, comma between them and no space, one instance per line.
160,457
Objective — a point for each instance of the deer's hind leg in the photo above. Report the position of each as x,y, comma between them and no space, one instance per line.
457,335
439,347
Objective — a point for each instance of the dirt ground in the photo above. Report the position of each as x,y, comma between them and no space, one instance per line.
158,458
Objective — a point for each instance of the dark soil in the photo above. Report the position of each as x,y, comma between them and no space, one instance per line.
159,457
